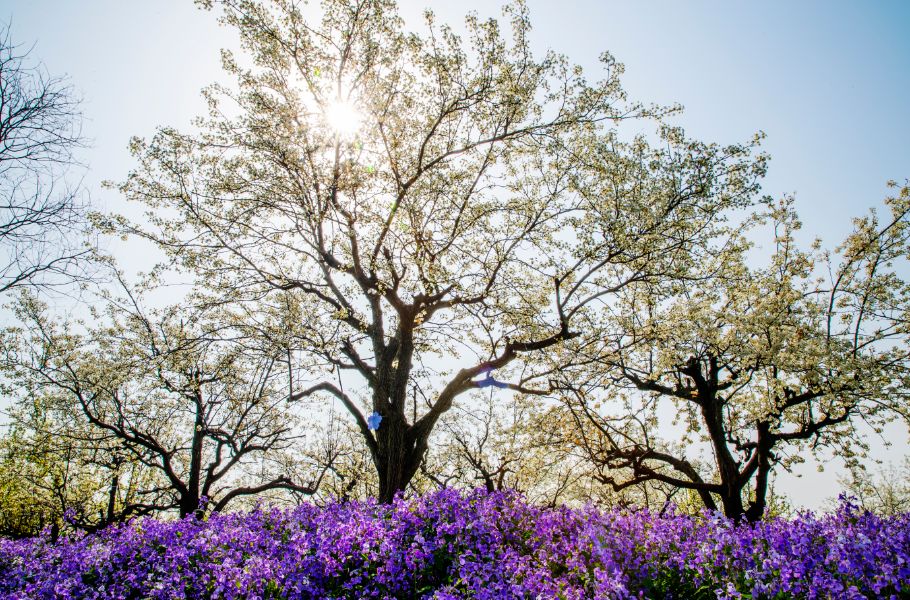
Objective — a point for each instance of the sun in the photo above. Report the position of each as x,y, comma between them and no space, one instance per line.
344,118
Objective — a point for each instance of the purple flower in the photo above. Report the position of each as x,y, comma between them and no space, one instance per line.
451,545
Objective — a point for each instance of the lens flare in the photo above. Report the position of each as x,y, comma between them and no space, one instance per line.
343,118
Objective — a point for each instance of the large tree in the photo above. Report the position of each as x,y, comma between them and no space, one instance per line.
448,210
760,365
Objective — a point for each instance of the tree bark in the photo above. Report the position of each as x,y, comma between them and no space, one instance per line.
399,456
763,453
712,413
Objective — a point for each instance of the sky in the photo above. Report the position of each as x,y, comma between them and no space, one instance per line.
827,81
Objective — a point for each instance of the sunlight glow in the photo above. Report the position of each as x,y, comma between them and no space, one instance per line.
343,118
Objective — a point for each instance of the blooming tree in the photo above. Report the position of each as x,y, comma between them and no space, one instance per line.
448,210
170,408
761,364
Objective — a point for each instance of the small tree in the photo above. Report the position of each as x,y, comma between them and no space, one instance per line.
42,220
760,364
498,445
202,413
448,211
55,471
885,492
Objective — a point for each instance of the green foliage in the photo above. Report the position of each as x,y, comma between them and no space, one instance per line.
24,509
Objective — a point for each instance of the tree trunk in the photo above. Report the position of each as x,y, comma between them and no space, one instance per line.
399,456
399,453
112,499
728,469
189,502
732,501
765,444
707,499
393,451
756,509
732,495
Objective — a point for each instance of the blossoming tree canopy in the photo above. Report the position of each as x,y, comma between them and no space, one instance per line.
165,405
446,210
762,365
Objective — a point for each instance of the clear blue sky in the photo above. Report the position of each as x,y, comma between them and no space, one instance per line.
828,81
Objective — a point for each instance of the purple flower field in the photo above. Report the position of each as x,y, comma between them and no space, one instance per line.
454,545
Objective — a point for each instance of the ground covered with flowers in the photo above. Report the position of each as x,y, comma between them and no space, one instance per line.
468,545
